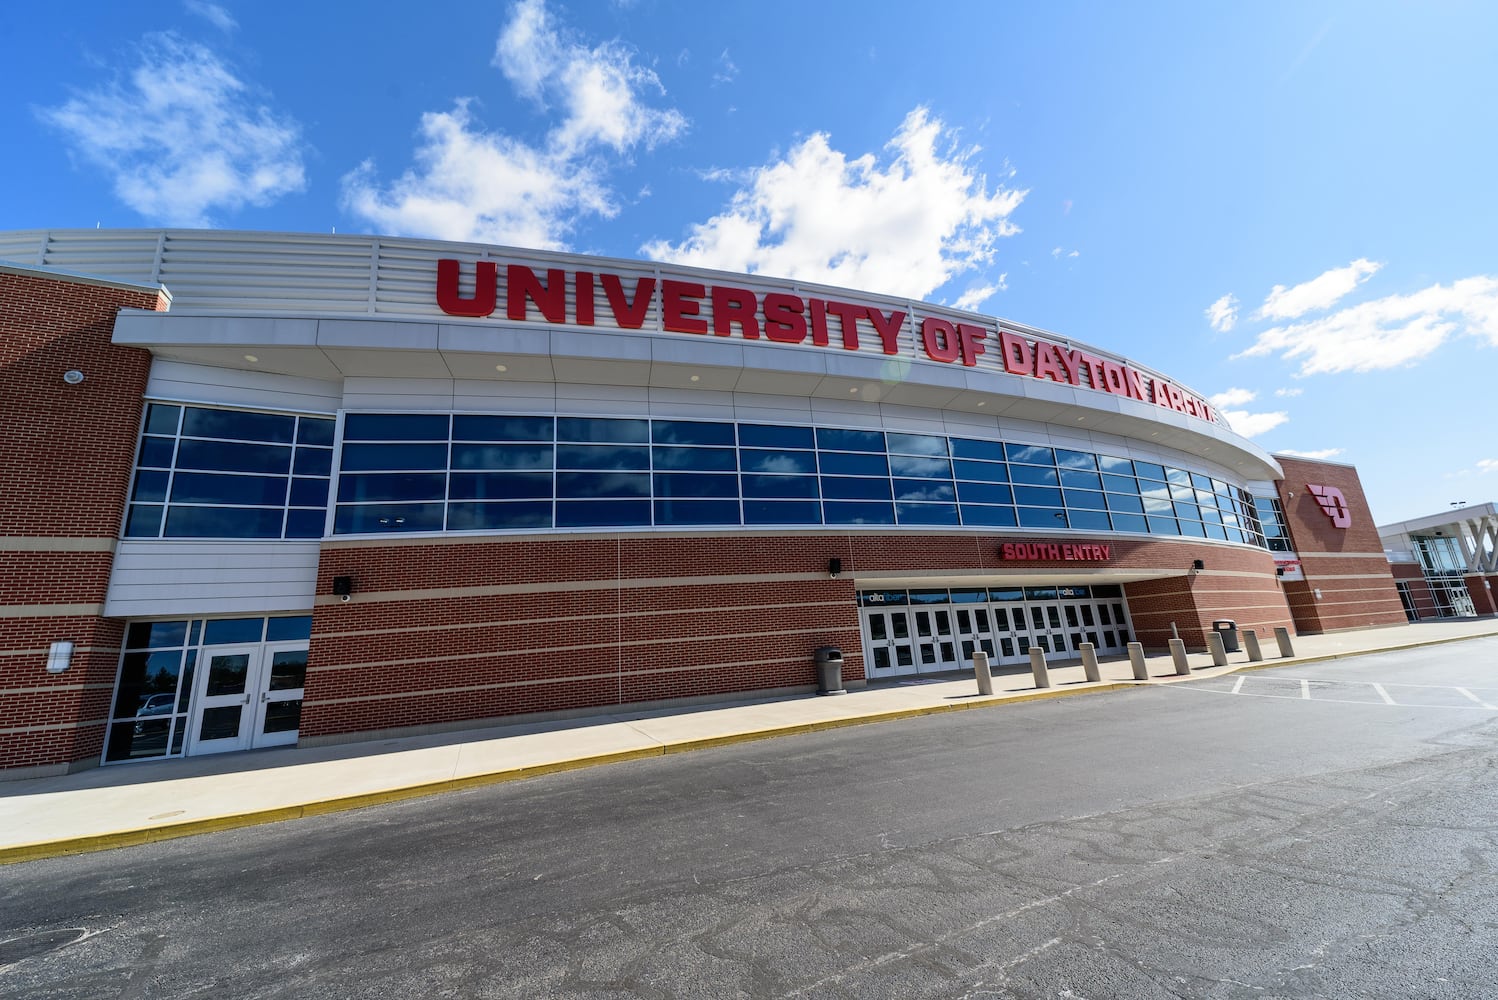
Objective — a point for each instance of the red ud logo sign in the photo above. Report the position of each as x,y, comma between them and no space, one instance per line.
1333,502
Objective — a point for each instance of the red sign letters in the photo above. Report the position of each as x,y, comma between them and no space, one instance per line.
1055,552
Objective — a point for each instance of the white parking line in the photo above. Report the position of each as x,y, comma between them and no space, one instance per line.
1464,691
1383,694
1238,685
1305,689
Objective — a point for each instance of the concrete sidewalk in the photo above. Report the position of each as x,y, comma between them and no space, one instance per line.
118,806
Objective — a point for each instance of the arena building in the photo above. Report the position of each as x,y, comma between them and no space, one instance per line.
267,489
1445,565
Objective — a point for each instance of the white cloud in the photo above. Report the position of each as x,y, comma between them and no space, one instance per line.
471,184
1253,424
1233,397
904,228
1316,456
1390,332
974,297
182,136
1486,465
1321,292
727,71
1288,392
1223,313
1059,252
213,14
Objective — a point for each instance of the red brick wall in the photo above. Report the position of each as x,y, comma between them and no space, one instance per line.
445,631
1346,565
1482,596
65,463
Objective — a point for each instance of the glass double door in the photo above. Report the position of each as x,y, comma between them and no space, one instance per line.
248,696
916,639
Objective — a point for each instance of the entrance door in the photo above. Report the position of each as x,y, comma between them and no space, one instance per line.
247,696
891,651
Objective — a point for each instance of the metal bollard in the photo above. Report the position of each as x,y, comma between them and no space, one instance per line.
1089,662
1282,636
1136,660
1251,643
1037,667
1178,654
1216,648
981,671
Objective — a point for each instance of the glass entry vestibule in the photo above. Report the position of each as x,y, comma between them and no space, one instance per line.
202,686
937,629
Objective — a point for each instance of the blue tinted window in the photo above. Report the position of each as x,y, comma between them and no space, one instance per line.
923,489
839,488
603,429
928,468
224,456
780,486
1041,517
503,456
1037,496
1148,470
696,459
601,456
1187,510
690,432
838,439
842,512
499,485
1154,505
201,487
1125,503
150,486
782,512
1076,460
225,631
162,419
926,513
286,629
373,457
984,493
1088,520
223,522
836,464
1002,517
602,513
967,448
1117,466
984,472
238,425
471,427
1030,454
313,462
1084,499
392,486
774,436
305,523
1120,484
1033,475
696,512
144,521
778,461
1081,480
313,430
498,516
602,484
917,444
157,452
1163,526
395,427
690,484
1129,522
155,635
1178,477
388,517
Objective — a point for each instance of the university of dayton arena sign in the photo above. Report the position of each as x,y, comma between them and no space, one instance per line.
789,318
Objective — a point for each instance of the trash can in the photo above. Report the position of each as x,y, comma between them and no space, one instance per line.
1228,629
829,670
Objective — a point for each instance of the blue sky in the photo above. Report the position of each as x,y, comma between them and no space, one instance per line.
1290,207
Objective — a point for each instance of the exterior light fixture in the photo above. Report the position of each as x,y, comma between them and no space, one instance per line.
72,376
501,368
251,357
1198,565
343,587
834,567
59,656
